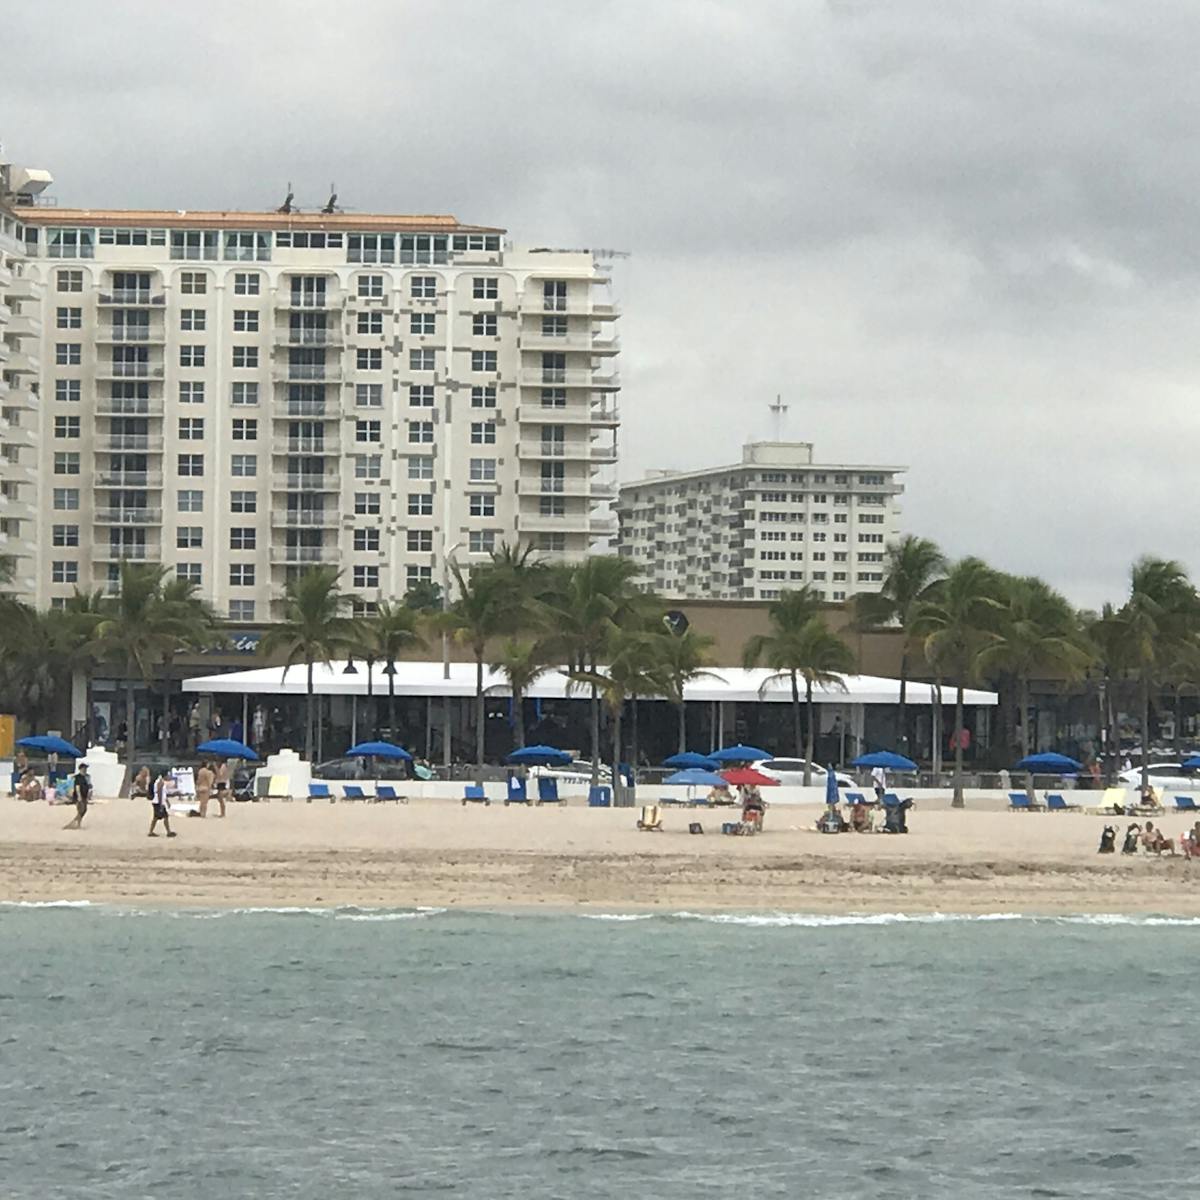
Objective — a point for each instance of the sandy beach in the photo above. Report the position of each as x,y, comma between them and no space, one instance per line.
439,853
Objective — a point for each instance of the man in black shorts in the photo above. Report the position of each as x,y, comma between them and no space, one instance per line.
81,793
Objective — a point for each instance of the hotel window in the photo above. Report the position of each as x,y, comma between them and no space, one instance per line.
189,501
66,427
133,237
414,575
191,429
68,281
420,395
244,393
370,287
420,468
483,433
371,247
191,572
368,466
64,572
554,327
482,470
870,519
241,610
482,505
67,354
66,535
366,539
194,243
483,360
420,541
245,357
368,395
245,429
551,541
367,431
246,283
191,393
70,243
368,359
551,506
423,249
423,359
243,537
420,505
66,462
247,246
190,464
423,287
476,241
554,397
243,466
245,320
420,433
69,318
483,397
366,504
192,319
66,499
366,577
554,295
241,574
485,288
481,541
484,325
189,537
191,356
370,322
422,323
193,283
243,502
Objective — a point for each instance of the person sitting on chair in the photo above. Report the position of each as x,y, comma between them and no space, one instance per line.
753,807
860,817
30,786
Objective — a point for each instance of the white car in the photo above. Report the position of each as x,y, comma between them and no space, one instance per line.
1163,775
790,772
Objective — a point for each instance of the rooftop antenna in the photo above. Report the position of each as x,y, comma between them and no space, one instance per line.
778,412
286,206
331,203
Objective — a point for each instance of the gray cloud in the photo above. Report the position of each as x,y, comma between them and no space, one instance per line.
954,236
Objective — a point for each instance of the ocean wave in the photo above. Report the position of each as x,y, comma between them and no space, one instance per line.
833,920
46,904
617,916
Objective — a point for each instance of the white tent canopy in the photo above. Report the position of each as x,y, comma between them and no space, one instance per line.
722,684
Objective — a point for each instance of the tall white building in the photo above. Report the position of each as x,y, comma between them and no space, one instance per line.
20,339
774,521
243,394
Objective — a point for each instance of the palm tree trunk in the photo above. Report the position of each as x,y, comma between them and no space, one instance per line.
392,700
935,718
595,732
797,739
682,726
1145,716
518,699
308,714
372,715
616,749
1023,693
959,800
130,718
164,733
479,717
903,730
809,739
633,738
1179,721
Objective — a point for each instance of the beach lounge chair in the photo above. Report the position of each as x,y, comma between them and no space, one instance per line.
385,791
1057,803
1113,800
319,791
548,790
279,787
857,798
1020,802
1185,804
473,793
352,791
517,792
651,819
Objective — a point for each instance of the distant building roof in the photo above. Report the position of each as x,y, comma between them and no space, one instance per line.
197,219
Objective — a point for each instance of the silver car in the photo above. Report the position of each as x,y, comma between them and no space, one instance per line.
790,772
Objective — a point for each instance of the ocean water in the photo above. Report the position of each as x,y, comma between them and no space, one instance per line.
364,1054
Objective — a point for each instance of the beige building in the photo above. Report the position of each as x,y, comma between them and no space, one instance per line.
774,521
20,339
243,394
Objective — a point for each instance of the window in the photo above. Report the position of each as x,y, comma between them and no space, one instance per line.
420,468
482,505
423,287
370,287
875,539
424,359
483,397
865,557
551,506
66,499
245,320
190,502
67,354
64,572
420,541
371,247
420,395
420,505
422,323
246,283
483,433
485,288
422,248
245,357
241,610
69,318
483,470
244,245
191,392
189,537
193,244
303,239
366,577
368,466
244,393
65,535
554,295
192,319
414,575
66,427
420,432
243,466
191,572
870,519
242,537
70,243
484,325
67,390
368,359
481,541
551,541
483,360
245,429
191,429
68,281
191,356
193,283
243,502
66,462
370,322
190,465
368,395
366,539
367,431
366,504
241,574
554,327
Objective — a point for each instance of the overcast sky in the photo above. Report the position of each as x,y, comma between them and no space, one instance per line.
959,237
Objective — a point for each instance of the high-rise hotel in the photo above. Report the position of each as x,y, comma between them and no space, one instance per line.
243,394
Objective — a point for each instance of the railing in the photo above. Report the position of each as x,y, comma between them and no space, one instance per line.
303,554
574,414
131,297
128,441
291,482
107,406
292,518
567,377
129,479
128,516
310,300
128,371
305,445
131,333
310,372
303,408
308,337
126,554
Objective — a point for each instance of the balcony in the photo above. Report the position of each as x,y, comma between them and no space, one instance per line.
571,344
128,334
286,481
129,370
22,288
319,301
566,377
23,325
131,298
16,435
128,516
304,554
20,363
593,489
603,527
584,307
136,554
307,337
300,409
575,522
308,373
302,518
107,406
306,445
573,414
603,454
129,441
129,479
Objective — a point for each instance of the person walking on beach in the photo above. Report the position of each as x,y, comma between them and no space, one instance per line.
222,784
159,809
81,793
879,779
205,778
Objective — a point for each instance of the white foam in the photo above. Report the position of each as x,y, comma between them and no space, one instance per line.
618,916
45,904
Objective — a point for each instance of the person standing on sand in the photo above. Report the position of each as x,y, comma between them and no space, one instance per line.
205,778
81,793
879,779
159,809
222,782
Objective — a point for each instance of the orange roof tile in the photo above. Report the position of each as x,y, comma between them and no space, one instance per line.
189,219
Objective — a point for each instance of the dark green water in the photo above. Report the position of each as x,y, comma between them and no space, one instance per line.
365,1055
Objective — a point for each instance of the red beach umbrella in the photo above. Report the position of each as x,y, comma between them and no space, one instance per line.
745,776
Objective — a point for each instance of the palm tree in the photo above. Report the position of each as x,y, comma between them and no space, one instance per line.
35,658
913,568
1037,631
522,661
198,628
956,622
680,659
392,630
79,617
312,630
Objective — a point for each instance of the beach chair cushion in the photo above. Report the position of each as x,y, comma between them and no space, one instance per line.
1185,804
1019,802
353,791
318,791
474,793
385,791
1057,803
279,788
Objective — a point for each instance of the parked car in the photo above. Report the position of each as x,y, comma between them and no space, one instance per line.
790,771
1163,775
578,770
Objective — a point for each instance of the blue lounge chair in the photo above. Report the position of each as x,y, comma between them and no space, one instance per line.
473,793
855,798
352,791
1057,803
319,791
385,791
1020,802
600,797
548,790
517,792
1185,804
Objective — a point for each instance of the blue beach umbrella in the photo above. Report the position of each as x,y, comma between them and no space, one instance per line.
227,748
831,786
887,759
539,756
1048,764
739,754
688,758
377,750
49,744
696,777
